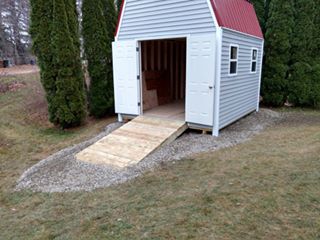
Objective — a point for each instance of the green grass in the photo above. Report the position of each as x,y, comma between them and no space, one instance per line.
267,188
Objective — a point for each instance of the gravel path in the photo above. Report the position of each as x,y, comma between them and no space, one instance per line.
61,172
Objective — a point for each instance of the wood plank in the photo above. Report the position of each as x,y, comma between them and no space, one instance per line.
159,55
148,130
183,71
134,135
177,70
163,123
165,51
123,152
171,68
96,157
173,111
123,139
144,56
152,55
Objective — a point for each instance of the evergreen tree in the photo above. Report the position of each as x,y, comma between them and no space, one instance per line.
73,23
315,90
74,28
110,15
69,98
119,4
316,57
59,61
266,13
98,27
259,6
41,32
316,23
302,40
303,47
278,34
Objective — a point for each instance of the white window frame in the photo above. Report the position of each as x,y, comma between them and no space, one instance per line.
233,60
252,60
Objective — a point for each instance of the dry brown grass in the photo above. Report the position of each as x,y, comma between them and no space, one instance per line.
26,136
267,188
18,70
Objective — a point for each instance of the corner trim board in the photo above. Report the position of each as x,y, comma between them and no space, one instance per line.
260,77
216,123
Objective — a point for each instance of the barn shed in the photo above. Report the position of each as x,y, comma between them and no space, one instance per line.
199,61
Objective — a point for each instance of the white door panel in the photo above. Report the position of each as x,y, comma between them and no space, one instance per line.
125,72
200,79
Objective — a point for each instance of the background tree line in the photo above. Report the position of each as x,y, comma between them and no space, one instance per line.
15,40
292,51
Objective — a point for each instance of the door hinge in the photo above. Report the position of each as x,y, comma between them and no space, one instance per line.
137,49
139,104
138,77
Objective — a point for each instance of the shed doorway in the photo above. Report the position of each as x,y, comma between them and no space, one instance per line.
163,71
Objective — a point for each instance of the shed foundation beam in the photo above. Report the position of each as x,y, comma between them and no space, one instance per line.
120,118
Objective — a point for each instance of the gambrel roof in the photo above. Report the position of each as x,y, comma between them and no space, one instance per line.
238,15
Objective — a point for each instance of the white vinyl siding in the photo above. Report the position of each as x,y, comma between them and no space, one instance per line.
238,93
152,18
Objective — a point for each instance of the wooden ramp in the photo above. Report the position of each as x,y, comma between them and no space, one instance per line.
133,142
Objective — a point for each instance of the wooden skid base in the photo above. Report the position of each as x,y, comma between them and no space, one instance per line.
133,141
203,129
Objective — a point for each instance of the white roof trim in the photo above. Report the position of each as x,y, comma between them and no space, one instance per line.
215,21
248,35
121,17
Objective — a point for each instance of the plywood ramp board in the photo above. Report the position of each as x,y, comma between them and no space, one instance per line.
133,142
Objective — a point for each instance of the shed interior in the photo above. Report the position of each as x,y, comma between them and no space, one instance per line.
163,65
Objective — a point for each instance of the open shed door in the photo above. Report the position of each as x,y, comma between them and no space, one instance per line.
200,79
125,75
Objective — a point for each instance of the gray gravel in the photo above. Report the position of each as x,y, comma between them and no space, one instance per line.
61,172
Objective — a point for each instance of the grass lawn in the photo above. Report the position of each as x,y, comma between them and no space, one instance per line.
267,188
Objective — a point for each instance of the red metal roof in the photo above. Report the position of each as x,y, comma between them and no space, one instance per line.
119,18
237,15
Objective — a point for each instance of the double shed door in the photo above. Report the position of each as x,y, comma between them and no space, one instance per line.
199,79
